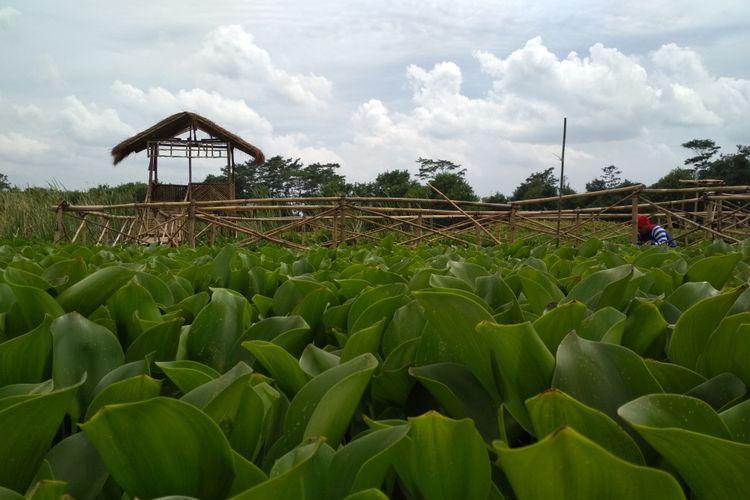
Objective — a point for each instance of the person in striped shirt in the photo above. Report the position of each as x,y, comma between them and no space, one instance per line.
651,233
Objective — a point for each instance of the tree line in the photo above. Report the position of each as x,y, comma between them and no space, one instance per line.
288,177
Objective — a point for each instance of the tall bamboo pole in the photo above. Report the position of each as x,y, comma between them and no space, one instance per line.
562,180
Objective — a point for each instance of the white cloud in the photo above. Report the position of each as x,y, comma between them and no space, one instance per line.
17,146
8,15
89,125
229,54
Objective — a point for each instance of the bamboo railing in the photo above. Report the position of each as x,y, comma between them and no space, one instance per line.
707,212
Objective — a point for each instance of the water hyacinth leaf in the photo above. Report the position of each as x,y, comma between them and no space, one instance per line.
447,281
619,293
394,382
301,473
716,269
281,365
129,390
161,339
188,453
80,346
602,376
693,329
460,394
407,324
315,360
26,358
444,459
644,327
94,290
589,290
728,348
221,266
27,430
689,294
246,474
350,288
601,323
19,277
370,297
737,420
326,404
63,274
314,304
203,394
674,378
186,374
453,319
190,306
291,292
217,328
368,494
240,412
263,304
29,310
496,293
47,490
696,444
523,366
381,310
158,290
553,409
365,340
364,462
564,457
540,288
467,271
127,305
720,391
76,461
555,324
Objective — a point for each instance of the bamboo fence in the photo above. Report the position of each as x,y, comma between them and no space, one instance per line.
689,214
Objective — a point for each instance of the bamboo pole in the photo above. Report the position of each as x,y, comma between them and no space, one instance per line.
701,226
634,218
479,226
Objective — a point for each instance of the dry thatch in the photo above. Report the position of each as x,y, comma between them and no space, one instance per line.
176,125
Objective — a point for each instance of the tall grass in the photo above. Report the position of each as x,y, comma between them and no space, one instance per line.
29,213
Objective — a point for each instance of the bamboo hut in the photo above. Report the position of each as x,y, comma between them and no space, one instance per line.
177,136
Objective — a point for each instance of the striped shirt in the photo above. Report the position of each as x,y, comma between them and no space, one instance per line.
657,236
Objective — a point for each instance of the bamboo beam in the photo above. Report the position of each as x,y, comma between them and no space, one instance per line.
492,237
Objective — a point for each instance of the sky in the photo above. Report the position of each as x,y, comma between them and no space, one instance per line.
375,85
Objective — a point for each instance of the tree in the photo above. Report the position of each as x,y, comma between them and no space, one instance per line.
610,179
429,169
396,184
496,197
542,184
704,150
453,186
734,169
4,183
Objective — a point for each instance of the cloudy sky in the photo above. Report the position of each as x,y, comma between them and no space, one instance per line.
373,85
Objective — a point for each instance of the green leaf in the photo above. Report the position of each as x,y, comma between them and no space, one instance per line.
156,288
65,273
76,461
539,288
453,319
674,378
589,290
689,294
315,360
523,366
94,290
129,306
458,391
644,328
553,409
407,324
693,329
161,339
370,297
326,404
301,473
186,374
188,454
280,364
716,269
720,391
604,323
217,328
204,393
47,490
573,466
694,440
603,376
129,390
26,432
444,458
29,310
364,340
364,462
555,324
26,358
80,346
737,420
728,348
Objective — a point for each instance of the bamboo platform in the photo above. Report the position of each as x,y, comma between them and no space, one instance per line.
689,214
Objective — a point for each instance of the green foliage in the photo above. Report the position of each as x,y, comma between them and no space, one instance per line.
374,372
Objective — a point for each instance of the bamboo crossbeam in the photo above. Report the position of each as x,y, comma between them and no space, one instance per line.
481,227
425,228
685,219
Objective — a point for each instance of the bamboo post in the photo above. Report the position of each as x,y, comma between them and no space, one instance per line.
719,214
478,236
418,229
191,223
634,217
512,224
342,220
59,223
709,218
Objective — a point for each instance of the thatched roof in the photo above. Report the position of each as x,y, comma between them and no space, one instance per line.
176,125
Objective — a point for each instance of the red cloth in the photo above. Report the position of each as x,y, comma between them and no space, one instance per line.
644,222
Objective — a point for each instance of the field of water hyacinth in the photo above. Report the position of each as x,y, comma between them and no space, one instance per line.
366,372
